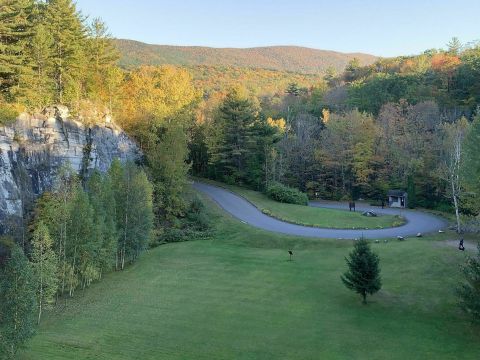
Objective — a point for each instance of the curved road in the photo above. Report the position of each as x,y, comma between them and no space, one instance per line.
243,210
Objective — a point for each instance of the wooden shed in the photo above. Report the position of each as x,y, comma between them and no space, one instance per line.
397,198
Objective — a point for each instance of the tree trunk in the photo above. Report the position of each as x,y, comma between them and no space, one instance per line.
40,295
457,212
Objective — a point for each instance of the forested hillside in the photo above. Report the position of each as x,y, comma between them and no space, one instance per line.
408,123
282,58
259,82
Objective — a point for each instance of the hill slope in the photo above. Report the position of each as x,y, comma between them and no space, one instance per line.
284,58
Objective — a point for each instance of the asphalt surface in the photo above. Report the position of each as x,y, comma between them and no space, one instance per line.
239,207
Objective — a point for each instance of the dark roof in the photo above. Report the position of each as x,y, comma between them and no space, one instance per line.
396,193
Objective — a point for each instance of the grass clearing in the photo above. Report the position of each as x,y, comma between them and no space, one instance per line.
313,216
237,297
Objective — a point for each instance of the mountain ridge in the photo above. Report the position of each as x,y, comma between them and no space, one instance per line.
281,57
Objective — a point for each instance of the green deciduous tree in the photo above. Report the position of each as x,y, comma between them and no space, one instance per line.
134,210
85,241
102,199
471,165
17,302
363,275
169,169
469,292
452,161
45,266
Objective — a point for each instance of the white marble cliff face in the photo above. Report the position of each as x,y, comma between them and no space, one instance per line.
34,147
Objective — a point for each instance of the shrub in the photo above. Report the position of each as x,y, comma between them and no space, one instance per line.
196,224
197,216
285,194
471,225
469,291
8,113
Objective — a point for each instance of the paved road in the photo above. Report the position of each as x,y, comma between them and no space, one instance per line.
246,212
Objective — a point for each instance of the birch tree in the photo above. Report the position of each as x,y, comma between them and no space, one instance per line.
452,161
44,263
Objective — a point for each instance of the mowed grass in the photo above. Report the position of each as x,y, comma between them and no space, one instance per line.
313,216
237,296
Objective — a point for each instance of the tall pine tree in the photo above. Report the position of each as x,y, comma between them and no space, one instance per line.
237,117
41,87
66,27
102,58
15,33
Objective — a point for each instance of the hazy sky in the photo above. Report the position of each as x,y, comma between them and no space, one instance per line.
380,27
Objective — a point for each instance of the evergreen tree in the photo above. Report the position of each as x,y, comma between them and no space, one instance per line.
17,302
44,262
66,27
293,89
454,46
41,85
469,292
351,70
237,117
15,31
102,57
363,275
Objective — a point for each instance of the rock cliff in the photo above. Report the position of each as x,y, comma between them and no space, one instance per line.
35,146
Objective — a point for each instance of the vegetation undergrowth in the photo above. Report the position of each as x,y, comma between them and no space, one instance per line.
237,295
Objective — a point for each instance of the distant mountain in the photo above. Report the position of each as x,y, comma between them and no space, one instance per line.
283,58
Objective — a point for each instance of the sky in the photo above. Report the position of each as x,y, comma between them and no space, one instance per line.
379,27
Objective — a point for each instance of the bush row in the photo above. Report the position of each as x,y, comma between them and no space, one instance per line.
285,194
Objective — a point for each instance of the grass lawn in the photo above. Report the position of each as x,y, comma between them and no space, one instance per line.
237,297
313,216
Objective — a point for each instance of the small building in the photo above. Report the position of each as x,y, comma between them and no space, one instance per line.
397,198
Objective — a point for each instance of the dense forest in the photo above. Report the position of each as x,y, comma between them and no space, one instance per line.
407,123
281,58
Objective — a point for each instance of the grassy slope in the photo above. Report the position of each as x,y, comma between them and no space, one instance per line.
236,297
312,216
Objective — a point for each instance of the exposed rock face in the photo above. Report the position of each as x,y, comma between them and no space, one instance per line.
34,147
